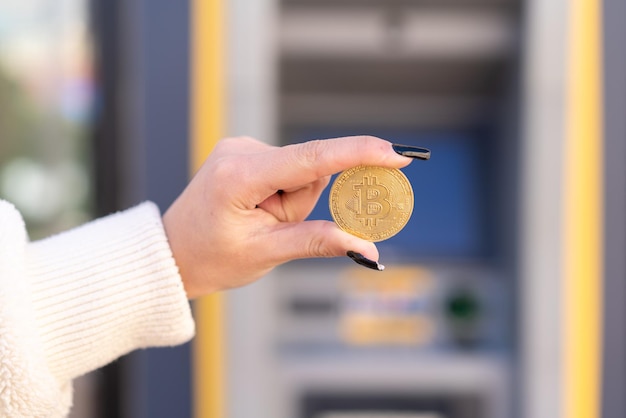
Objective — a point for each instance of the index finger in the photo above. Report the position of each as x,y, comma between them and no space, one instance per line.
298,164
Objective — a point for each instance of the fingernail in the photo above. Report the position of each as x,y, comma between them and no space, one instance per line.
412,152
366,262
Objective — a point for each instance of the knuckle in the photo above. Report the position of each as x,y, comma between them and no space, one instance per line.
231,144
310,152
223,171
223,144
321,183
318,246
242,141
246,138
224,168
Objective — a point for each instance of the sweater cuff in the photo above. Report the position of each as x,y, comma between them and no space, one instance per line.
105,289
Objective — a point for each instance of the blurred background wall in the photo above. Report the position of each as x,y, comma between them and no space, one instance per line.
47,96
490,290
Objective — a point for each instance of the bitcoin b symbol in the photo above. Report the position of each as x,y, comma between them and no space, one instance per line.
373,204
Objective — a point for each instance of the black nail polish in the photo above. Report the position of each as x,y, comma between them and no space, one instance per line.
366,262
412,152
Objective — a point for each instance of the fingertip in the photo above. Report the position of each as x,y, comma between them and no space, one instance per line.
365,248
392,158
364,150
361,260
410,151
346,242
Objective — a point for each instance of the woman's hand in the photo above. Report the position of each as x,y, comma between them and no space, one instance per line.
243,213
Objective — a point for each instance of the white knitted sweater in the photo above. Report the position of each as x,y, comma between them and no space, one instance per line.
76,301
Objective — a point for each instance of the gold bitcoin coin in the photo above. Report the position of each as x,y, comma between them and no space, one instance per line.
373,203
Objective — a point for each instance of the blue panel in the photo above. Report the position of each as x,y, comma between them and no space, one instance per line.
163,385
450,218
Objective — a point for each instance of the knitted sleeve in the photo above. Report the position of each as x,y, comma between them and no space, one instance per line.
76,301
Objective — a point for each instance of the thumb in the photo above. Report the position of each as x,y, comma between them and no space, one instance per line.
313,239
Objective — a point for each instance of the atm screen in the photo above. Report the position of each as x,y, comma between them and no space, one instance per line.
451,214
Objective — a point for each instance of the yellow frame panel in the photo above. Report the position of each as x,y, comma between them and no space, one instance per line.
583,223
207,122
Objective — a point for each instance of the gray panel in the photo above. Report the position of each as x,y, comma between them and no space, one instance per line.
614,355
251,107
541,286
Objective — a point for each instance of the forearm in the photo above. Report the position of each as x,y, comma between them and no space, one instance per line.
105,289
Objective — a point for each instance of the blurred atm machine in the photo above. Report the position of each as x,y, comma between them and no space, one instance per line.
433,336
